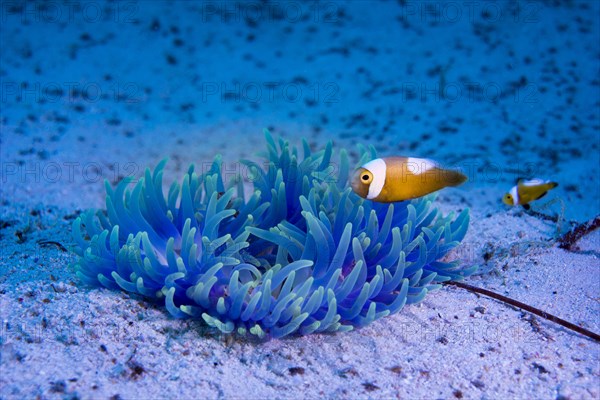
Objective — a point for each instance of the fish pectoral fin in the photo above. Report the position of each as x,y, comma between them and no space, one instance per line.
527,206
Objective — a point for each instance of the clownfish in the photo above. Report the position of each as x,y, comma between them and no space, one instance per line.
524,192
390,179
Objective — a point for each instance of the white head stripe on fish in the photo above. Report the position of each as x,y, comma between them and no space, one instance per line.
515,195
422,165
379,169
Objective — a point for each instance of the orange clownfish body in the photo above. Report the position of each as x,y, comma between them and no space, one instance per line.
391,179
526,191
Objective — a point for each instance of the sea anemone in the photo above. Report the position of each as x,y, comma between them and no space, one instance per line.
302,254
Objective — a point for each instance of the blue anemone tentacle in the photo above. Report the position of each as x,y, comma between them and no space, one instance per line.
301,254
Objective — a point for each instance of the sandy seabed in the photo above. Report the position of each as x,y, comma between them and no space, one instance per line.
60,339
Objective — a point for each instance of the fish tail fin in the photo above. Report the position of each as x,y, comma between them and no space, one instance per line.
456,178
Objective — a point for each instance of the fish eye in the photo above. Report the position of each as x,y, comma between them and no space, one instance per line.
366,177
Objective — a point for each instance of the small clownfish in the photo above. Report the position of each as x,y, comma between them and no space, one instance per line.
390,179
527,191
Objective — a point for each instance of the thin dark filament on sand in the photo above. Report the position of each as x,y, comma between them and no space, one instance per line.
569,239
533,310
